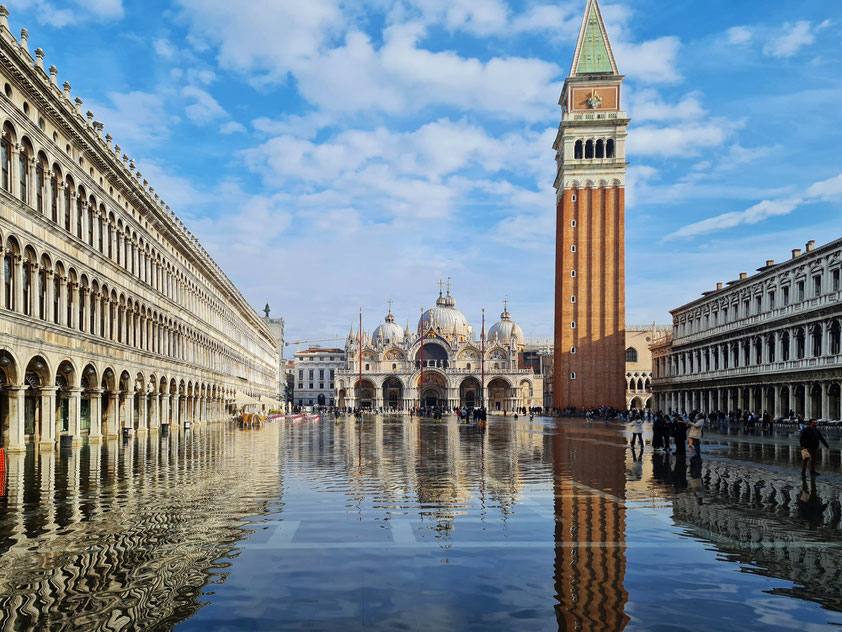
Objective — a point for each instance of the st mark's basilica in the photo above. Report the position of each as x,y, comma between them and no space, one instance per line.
441,365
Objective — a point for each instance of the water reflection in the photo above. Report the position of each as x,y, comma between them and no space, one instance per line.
125,535
530,525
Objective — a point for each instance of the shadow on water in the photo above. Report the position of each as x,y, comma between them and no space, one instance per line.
400,524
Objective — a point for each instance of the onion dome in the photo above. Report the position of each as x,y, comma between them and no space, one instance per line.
445,318
506,329
389,331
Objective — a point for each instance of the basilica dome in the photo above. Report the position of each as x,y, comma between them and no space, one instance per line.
506,329
445,319
390,331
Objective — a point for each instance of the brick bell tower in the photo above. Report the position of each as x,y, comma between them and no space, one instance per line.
590,312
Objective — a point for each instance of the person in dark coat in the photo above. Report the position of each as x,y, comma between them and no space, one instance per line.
659,428
679,434
809,439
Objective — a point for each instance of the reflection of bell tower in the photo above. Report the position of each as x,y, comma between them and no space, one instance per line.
590,145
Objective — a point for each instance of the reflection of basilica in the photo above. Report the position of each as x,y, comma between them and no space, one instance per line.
441,365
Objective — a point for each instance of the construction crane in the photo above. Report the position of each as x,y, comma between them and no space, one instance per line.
297,343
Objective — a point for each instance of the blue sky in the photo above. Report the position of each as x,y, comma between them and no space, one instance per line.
331,155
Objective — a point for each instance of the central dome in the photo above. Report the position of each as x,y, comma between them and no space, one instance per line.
390,331
445,319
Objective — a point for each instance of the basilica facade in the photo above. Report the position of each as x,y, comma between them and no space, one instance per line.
442,364
112,315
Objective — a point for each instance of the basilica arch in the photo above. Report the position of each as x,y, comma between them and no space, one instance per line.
433,389
470,393
393,393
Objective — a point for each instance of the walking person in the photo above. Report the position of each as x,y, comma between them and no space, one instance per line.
637,431
809,440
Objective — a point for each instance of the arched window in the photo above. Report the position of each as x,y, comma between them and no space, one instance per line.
6,159
589,149
90,225
609,148
631,354
57,298
67,191
54,196
600,149
468,366
23,172
110,235
39,187
8,278
577,150
80,211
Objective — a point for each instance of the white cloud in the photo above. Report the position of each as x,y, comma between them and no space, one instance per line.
757,213
81,11
137,117
647,105
680,140
401,77
826,190
204,108
300,126
272,38
653,61
790,39
738,35
164,48
829,189
232,127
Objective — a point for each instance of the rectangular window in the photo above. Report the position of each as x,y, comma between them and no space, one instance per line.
746,309
758,304
321,386
311,375
817,285
311,386
300,386
331,374
300,374
771,300
321,374
785,292
834,281
800,287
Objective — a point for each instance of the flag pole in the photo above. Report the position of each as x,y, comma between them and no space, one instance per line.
360,402
482,360
421,379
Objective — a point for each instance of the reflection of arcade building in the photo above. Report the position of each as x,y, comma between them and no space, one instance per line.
446,371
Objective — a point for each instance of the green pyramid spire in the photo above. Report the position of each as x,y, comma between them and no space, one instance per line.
594,55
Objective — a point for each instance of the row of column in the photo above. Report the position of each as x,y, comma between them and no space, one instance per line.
778,346
109,412
812,400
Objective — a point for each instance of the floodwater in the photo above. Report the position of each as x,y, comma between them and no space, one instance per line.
399,525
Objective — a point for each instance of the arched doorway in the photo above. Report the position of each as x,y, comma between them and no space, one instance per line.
8,377
365,394
37,421
470,393
833,402
393,393
64,381
799,400
342,398
524,394
499,395
88,384
816,411
433,390
321,399
784,404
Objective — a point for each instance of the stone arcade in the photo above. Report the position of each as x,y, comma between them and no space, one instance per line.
111,313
